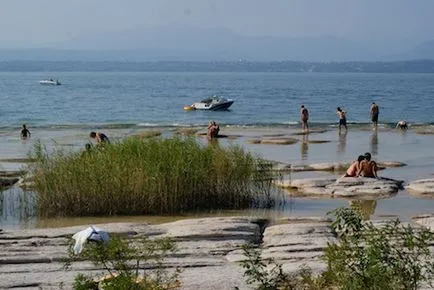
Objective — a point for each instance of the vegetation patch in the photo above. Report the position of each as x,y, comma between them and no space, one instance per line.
136,264
148,176
385,256
149,134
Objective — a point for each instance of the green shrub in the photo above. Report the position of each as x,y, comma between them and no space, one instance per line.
391,255
148,176
128,264
384,256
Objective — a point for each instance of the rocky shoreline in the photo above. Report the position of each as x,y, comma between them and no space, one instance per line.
208,249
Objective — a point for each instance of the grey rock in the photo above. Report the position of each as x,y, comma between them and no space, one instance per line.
345,187
425,221
33,258
422,186
340,166
312,182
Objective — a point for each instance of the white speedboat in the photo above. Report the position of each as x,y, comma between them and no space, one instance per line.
50,82
213,103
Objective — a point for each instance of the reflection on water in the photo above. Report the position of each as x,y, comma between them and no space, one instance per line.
365,207
374,142
342,142
304,147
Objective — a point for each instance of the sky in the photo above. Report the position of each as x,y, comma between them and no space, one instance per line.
43,23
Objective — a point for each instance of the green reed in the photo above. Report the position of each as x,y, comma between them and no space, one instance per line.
148,176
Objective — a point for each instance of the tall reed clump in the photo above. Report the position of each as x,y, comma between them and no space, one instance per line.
148,176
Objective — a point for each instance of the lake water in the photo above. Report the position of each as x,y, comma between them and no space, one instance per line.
121,104
98,99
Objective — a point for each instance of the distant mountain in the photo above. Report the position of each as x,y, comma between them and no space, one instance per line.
217,44
197,44
425,50
415,66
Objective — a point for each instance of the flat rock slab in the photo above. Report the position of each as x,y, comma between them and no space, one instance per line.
422,186
274,141
340,166
345,187
313,131
424,132
312,182
34,257
424,221
297,243
317,141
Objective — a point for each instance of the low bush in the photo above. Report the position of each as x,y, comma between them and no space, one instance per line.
128,264
384,256
148,176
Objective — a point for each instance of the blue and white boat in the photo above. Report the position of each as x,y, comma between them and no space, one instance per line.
50,82
213,103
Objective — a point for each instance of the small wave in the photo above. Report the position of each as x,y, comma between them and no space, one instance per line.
148,125
284,124
291,123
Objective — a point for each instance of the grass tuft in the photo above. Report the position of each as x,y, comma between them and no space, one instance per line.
148,176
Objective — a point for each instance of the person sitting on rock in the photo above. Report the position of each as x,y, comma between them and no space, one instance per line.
354,167
368,167
213,130
402,125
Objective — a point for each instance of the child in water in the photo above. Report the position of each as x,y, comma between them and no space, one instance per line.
25,133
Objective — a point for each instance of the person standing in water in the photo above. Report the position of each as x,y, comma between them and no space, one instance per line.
375,111
342,119
304,117
25,133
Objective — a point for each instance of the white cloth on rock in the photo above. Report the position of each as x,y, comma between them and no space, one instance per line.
91,233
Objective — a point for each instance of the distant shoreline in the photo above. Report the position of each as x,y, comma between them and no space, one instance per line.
73,63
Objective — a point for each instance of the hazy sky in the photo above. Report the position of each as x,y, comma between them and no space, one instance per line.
38,23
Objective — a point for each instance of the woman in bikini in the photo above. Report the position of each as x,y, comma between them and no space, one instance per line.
353,170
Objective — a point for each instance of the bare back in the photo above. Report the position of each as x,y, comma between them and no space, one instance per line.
341,115
368,168
353,169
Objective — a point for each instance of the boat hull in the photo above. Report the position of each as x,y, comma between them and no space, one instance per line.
49,83
213,107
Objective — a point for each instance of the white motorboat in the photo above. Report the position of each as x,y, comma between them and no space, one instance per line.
213,103
50,82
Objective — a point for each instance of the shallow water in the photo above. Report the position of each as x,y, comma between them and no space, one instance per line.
385,145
